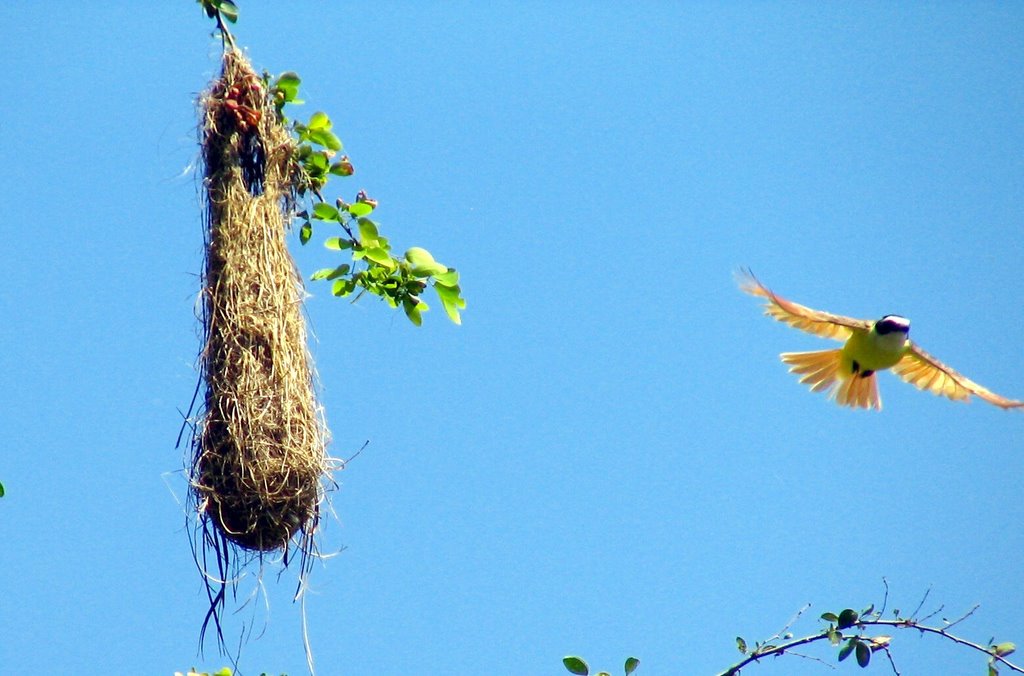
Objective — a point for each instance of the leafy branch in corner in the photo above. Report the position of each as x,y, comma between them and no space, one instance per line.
372,268
852,633
398,280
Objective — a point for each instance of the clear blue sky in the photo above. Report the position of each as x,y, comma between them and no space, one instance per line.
607,458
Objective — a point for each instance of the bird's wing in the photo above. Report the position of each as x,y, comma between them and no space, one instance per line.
801,317
925,372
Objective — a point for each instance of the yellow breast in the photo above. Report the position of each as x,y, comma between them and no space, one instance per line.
872,352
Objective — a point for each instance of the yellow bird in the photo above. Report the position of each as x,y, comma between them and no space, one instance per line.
848,374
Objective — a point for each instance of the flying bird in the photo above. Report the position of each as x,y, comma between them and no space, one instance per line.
848,374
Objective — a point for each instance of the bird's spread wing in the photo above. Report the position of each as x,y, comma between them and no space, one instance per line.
925,372
801,317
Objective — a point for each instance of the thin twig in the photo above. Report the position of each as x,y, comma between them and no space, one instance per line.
892,662
921,604
792,621
225,34
932,614
965,616
814,659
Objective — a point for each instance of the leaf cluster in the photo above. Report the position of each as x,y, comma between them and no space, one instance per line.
398,280
858,644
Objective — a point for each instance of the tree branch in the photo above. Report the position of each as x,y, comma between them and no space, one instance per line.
771,650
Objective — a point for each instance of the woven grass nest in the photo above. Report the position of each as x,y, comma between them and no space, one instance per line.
259,460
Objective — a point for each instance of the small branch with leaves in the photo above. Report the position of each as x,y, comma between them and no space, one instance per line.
398,280
851,632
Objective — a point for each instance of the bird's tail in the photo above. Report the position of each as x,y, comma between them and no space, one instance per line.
822,372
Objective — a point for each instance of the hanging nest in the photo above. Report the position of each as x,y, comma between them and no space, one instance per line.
259,461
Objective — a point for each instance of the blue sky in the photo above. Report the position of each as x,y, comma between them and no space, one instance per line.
607,458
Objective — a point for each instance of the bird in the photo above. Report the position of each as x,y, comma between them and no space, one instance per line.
848,374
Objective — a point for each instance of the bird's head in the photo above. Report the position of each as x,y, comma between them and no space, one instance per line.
892,324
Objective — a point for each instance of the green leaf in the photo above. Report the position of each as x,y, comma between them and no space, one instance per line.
342,269
380,256
450,294
367,230
325,212
452,311
288,82
863,654
1003,649
829,617
305,232
229,11
337,243
449,278
576,665
428,270
631,664
847,618
343,287
423,264
741,645
2,491
845,651
319,120
360,209
452,302
419,256
324,138
318,163
331,273
992,671
413,310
